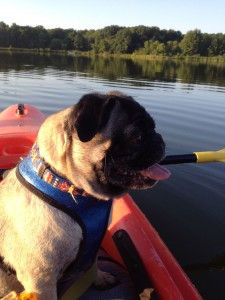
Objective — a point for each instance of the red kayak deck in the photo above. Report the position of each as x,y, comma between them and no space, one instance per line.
17,134
167,276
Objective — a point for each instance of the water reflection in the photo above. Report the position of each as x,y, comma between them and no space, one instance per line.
173,71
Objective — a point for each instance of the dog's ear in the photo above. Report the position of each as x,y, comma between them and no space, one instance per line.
90,115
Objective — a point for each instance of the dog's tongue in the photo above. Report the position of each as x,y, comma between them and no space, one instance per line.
156,172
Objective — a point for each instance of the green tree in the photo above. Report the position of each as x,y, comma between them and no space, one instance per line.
172,48
123,42
80,42
192,42
217,45
4,35
103,40
140,35
169,35
56,44
109,31
28,37
14,36
104,46
42,37
154,48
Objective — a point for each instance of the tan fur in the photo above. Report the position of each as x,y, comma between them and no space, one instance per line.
38,240
74,160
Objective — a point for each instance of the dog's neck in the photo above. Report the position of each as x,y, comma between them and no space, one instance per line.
45,172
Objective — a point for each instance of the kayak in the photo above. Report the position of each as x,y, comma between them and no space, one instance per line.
130,241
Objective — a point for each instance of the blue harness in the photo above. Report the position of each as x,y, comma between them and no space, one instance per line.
91,213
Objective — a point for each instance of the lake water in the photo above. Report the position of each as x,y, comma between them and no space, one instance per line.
187,100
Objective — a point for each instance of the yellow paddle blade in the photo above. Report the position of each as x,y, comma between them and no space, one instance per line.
210,156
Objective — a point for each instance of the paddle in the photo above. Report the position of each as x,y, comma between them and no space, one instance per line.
195,157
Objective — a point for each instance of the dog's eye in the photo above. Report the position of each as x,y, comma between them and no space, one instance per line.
136,138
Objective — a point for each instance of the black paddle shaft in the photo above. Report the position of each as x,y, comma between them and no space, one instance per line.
168,160
179,159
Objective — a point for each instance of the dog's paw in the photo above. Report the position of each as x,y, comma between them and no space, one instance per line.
105,280
24,295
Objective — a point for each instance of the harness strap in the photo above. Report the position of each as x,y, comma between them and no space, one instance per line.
82,284
46,198
45,172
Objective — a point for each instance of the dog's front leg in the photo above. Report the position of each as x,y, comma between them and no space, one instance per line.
45,294
43,287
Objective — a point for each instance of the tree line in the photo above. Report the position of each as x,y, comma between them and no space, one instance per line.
114,40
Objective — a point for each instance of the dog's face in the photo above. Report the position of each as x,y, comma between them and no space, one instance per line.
105,144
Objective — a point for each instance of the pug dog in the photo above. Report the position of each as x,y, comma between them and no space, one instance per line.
104,145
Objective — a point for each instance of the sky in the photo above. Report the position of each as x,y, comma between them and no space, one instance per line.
206,15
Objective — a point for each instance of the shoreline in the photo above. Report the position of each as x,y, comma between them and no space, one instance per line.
134,56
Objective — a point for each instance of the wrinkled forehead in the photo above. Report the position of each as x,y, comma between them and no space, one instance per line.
127,115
